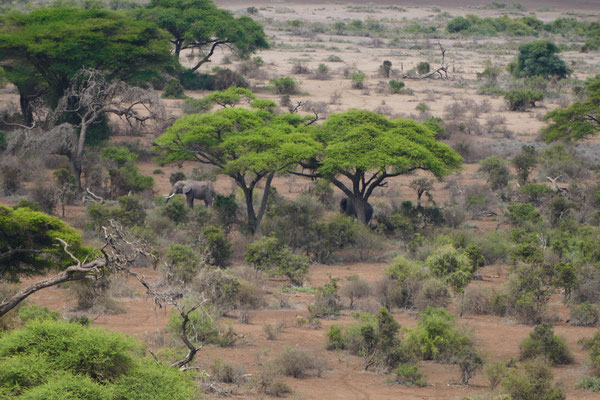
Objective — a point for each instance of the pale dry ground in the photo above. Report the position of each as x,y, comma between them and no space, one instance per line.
498,338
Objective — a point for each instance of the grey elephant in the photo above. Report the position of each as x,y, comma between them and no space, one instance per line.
347,207
194,190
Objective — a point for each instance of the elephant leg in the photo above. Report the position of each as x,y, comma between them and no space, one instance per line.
190,201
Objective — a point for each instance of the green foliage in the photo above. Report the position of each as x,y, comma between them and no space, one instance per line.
248,144
124,172
285,85
454,266
327,301
423,68
201,328
229,97
176,176
36,234
194,81
490,73
196,106
539,58
533,381
589,383
437,337
48,46
522,99
396,87
200,24
57,360
524,162
409,375
173,90
584,314
497,172
579,120
184,262
270,255
216,246
335,338
458,24
226,210
523,215
469,362
474,25
32,312
176,211
130,211
387,67
593,346
543,342
358,79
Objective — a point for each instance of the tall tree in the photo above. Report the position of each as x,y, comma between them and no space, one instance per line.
250,146
361,150
199,24
41,51
579,120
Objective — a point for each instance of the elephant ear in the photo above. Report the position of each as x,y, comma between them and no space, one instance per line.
186,188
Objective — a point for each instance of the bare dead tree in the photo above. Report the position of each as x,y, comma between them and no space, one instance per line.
442,70
92,97
555,186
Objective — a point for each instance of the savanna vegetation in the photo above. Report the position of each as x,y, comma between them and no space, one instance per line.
408,192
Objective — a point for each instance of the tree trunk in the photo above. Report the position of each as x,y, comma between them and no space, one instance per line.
265,199
360,206
252,222
26,109
72,273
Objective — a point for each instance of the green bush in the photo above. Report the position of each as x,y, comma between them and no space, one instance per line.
497,172
196,106
57,360
423,68
358,79
533,381
176,176
437,337
584,314
176,211
589,383
34,312
458,24
201,328
539,58
270,255
543,342
409,375
469,362
173,90
396,87
453,266
216,245
130,211
194,81
593,346
285,85
522,99
327,301
184,263
226,210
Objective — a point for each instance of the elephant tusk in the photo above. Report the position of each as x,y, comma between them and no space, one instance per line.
168,197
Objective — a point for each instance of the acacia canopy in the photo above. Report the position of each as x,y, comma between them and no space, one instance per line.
42,50
29,243
247,145
361,149
579,120
199,24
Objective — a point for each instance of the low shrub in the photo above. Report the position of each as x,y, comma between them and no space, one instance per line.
589,383
423,68
396,87
495,373
522,99
216,246
543,342
194,81
584,314
533,381
437,337
409,375
173,90
285,85
298,363
358,80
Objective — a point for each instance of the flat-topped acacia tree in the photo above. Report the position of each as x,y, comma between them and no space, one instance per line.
360,150
41,51
247,145
199,24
